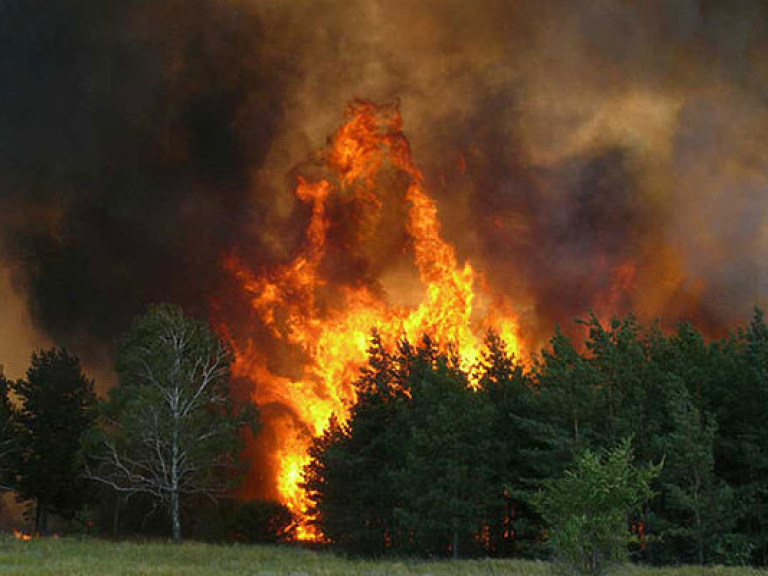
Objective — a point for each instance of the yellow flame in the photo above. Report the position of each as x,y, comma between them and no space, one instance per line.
334,342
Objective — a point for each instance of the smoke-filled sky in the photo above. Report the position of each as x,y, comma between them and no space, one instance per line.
605,155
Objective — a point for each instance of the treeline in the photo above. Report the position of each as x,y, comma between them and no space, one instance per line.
633,439
162,452
435,460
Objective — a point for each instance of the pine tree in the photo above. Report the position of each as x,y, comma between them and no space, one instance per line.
349,478
624,380
8,436
737,394
570,403
523,446
697,505
56,411
446,484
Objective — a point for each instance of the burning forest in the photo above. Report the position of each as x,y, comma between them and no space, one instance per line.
323,323
303,174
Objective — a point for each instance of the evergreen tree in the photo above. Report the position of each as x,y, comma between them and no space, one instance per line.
56,410
570,403
738,397
625,382
349,478
446,484
8,437
395,476
698,506
523,447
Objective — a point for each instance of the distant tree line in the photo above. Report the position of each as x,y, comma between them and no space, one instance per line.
437,460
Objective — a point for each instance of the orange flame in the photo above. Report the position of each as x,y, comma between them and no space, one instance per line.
332,339
19,535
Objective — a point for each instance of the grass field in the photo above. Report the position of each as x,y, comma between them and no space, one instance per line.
90,556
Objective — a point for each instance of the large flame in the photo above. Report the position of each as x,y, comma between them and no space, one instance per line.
331,333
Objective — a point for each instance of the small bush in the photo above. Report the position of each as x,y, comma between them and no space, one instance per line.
586,510
256,521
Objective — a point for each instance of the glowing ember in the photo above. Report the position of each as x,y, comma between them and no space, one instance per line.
19,535
327,323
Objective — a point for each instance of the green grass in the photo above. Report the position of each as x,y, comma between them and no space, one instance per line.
68,556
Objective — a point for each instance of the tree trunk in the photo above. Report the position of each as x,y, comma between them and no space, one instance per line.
175,505
455,544
43,521
594,562
116,517
699,522
176,517
38,510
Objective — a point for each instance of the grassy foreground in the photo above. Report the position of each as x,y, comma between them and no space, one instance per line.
68,556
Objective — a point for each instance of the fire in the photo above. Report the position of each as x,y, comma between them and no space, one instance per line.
19,535
325,322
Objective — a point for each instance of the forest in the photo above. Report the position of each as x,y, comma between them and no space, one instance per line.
637,443
434,457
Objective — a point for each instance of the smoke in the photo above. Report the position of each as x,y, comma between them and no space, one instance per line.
584,155
129,133
591,155
17,337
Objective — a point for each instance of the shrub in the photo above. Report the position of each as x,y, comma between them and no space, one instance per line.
256,521
586,510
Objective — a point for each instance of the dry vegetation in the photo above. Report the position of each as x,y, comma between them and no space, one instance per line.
68,556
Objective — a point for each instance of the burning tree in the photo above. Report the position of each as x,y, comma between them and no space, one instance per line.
170,429
411,469
322,319
446,482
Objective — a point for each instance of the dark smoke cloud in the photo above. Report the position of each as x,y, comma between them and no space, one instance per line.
611,149
573,147
129,131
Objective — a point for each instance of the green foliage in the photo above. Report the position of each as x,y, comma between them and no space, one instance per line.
418,466
445,482
170,429
434,459
393,476
570,402
8,436
587,509
699,506
524,450
56,410
350,476
252,522
736,394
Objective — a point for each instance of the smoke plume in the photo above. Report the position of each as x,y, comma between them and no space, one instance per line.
567,144
130,130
